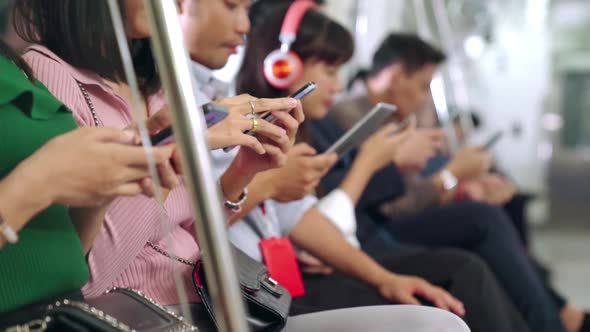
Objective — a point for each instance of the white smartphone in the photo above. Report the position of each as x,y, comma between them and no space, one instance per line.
362,129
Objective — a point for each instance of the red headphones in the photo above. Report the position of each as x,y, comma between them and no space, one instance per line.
283,67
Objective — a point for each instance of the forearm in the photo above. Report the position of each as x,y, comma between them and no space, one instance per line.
22,195
259,190
317,236
357,178
88,222
233,182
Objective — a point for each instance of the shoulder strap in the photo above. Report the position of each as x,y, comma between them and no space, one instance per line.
252,223
90,104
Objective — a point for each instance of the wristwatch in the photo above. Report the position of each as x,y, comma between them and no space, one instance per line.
449,180
237,205
7,232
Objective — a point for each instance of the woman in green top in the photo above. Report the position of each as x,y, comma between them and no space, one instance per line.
41,173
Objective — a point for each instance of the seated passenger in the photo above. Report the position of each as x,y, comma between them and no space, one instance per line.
131,241
402,69
52,199
322,55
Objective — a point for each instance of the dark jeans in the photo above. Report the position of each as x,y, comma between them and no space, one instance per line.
462,274
487,232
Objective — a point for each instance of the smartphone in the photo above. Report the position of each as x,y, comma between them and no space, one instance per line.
362,129
214,114
493,140
299,94
405,123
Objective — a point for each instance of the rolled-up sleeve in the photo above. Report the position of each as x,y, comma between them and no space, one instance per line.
339,210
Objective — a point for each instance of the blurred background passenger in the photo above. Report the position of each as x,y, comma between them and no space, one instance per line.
425,213
321,56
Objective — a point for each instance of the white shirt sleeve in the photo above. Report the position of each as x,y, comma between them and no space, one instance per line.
338,208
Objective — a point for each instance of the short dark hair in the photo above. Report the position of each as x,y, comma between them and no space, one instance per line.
82,34
409,50
319,37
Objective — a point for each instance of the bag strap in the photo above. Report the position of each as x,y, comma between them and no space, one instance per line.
250,222
90,104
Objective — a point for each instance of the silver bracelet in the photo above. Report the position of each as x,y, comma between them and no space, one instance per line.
236,206
8,232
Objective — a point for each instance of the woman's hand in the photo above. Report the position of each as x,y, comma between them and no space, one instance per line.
230,131
92,166
249,162
380,148
404,289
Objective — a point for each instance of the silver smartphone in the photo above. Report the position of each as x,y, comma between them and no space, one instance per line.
363,129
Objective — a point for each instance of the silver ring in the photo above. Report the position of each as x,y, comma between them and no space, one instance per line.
252,107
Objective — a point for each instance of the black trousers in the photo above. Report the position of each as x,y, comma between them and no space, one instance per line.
487,232
462,274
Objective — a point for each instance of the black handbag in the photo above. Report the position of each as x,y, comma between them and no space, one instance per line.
268,303
119,310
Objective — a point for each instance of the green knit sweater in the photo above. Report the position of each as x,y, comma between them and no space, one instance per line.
48,260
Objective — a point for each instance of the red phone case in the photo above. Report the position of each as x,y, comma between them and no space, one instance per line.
279,258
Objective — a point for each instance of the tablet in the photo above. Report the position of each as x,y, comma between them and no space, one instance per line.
363,129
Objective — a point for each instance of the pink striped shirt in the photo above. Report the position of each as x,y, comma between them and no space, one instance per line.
120,255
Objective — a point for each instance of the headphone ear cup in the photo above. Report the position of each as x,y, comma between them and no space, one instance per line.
282,69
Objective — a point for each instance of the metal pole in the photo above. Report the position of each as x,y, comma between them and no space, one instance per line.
456,75
140,117
189,131
437,86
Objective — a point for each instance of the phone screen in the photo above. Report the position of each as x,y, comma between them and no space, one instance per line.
214,114
267,116
299,94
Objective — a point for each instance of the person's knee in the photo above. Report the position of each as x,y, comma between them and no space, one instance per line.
485,217
463,262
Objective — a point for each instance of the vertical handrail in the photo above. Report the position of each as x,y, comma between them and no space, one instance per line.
140,119
456,75
437,86
189,131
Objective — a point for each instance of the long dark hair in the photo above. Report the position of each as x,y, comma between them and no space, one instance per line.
81,33
5,50
319,37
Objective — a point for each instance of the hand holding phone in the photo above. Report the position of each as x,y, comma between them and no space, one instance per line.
362,129
298,95
214,114
269,117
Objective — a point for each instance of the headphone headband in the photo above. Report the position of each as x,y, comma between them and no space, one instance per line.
293,19
283,67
